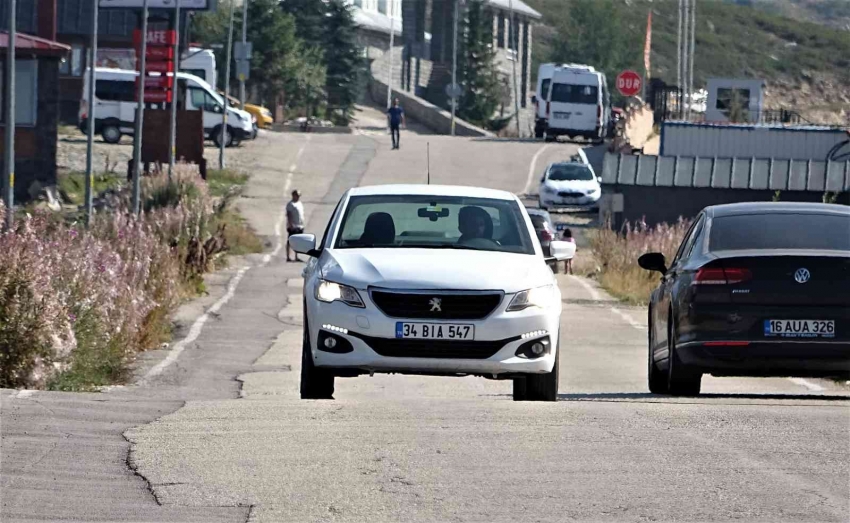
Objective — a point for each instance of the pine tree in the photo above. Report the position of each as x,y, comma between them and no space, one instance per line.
345,66
477,74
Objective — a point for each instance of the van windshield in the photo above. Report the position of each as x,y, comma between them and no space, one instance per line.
575,94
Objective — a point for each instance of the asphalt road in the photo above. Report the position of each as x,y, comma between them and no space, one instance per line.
215,431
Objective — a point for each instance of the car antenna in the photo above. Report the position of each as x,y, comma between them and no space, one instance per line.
428,160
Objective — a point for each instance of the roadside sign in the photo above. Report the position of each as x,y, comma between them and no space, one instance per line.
243,70
453,91
242,51
158,82
629,83
195,5
157,96
156,37
159,67
158,53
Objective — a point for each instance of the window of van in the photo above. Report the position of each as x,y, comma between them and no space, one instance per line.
575,94
115,91
200,73
544,88
202,100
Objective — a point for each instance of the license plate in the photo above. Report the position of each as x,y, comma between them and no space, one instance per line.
434,331
799,328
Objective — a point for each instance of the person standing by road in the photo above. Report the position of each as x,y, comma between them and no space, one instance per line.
395,117
294,220
568,264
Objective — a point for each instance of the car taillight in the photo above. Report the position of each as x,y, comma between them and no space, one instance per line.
546,236
598,112
721,276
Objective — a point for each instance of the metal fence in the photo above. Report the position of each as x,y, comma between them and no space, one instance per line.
726,173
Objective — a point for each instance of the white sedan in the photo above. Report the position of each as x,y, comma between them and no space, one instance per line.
569,184
435,280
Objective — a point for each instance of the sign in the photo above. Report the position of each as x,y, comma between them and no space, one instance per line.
629,83
157,97
196,5
243,70
159,53
242,51
156,37
159,67
158,82
453,91
116,58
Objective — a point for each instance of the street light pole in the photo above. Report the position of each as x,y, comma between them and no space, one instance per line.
91,114
223,135
244,45
140,114
454,65
392,56
515,31
9,167
691,59
175,90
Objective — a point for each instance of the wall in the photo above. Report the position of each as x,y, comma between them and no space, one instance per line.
425,112
798,143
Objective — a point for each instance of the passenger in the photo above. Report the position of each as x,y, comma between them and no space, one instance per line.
474,223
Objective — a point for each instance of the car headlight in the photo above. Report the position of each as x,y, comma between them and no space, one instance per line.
267,113
549,190
329,292
591,192
542,297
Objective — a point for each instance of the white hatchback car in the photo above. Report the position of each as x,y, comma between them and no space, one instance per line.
569,184
435,280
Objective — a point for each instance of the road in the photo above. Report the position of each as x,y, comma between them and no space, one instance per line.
214,429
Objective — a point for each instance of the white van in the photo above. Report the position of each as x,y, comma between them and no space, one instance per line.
201,63
115,93
544,78
578,104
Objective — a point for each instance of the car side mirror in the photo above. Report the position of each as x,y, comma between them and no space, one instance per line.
304,244
561,250
599,179
653,261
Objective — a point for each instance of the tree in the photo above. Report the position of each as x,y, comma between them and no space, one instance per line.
310,20
477,74
345,65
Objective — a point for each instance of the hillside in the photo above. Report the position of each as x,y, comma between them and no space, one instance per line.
806,65
832,13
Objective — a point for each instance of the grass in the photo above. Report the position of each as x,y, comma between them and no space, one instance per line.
222,181
240,237
72,186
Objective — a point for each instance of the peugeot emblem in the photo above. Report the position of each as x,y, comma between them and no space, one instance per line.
436,305
802,275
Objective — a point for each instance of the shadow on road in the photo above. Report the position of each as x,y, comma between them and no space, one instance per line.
633,396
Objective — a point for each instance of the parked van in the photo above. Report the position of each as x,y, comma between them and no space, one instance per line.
201,63
578,104
115,93
544,79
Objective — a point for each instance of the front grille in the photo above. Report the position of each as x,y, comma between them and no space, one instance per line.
447,307
570,194
397,348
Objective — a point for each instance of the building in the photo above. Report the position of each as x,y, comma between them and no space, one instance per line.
422,54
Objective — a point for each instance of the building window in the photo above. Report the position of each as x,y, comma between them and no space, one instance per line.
26,92
726,98
500,32
74,64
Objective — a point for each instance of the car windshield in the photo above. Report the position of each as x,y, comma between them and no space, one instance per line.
780,231
570,172
434,222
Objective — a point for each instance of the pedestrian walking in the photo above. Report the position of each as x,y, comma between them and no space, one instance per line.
568,264
395,117
294,220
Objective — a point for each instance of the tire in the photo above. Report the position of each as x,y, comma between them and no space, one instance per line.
228,136
544,387
520,389
549,138
316,383
110,133
681,379
539,132
656,379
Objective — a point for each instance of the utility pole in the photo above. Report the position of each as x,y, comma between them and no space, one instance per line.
223,137
454,65
679,59
175,91
685,45
515,44
691,59
140,114
91,114
244,45
9,167
392,55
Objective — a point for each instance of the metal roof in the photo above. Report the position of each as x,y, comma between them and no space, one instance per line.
518,6
33,44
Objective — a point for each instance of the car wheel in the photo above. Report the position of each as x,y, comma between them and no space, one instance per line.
681,379
217,138
316,383
549,138
656,379
111,133
538,133
544,387
520,389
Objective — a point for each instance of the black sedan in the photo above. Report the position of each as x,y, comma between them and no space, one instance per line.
755,289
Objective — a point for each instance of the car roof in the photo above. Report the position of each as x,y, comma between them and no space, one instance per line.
431,190
737,209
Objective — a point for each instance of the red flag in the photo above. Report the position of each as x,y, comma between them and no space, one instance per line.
648,45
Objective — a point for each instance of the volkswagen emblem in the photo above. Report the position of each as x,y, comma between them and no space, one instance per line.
436,305
802,275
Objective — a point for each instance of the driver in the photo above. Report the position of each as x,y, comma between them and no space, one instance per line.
473,223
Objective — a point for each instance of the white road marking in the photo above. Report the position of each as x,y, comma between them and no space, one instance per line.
22,394
594,294
197,327
631,321
814,387
532,167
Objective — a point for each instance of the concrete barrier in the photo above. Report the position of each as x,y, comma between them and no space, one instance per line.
426,113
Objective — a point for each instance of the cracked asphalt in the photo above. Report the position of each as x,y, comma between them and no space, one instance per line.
220,434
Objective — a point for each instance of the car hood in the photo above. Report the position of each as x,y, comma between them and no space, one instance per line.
572,185
436,269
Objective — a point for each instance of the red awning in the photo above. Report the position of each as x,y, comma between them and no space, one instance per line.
29,44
